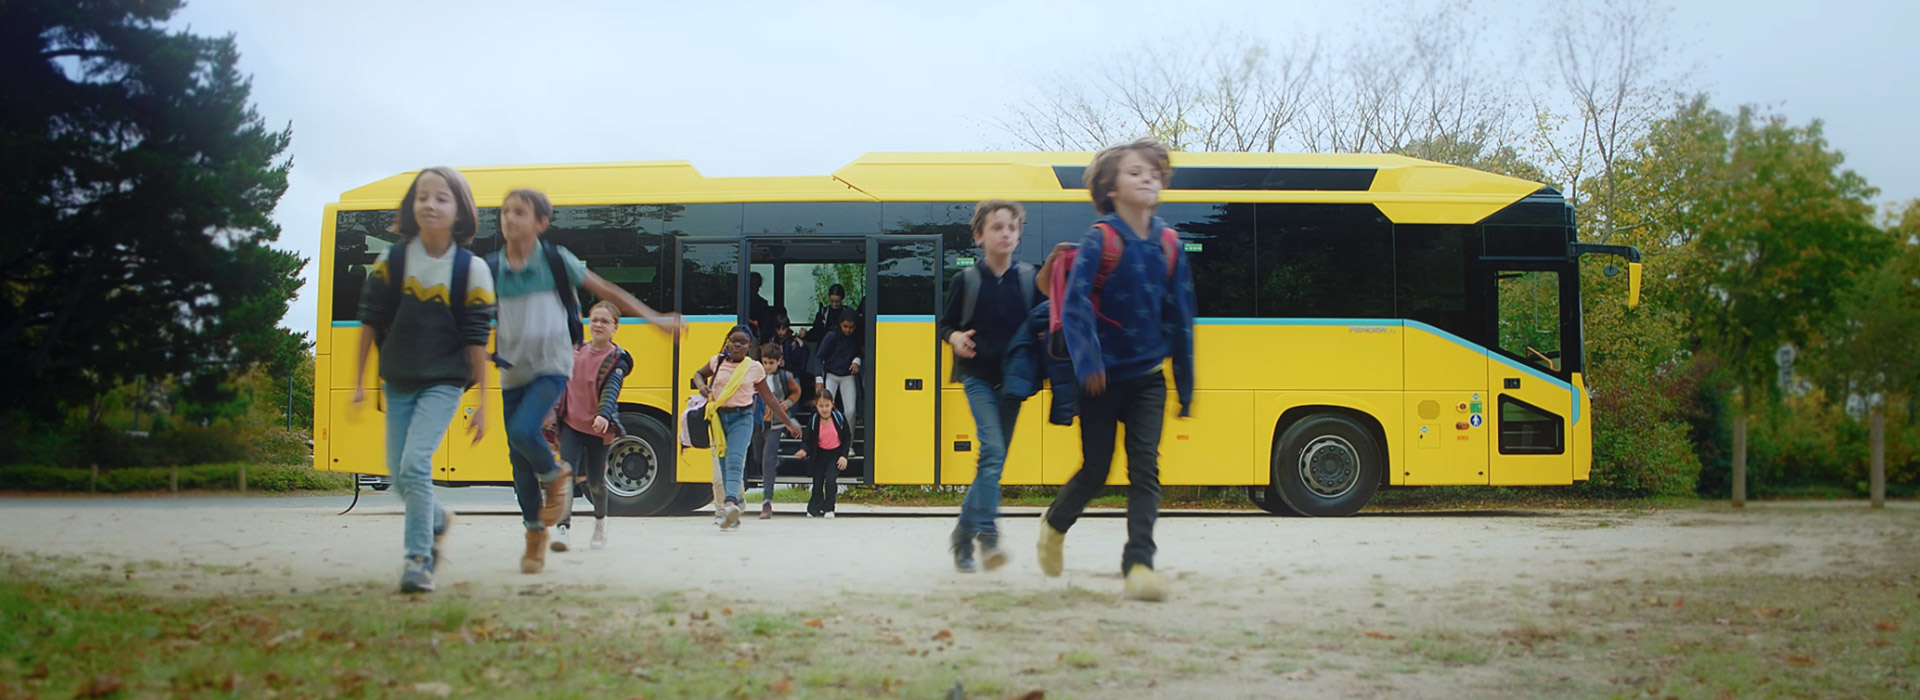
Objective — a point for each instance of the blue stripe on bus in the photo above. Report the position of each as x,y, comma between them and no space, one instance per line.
1405,323
906,318
711,319
346,324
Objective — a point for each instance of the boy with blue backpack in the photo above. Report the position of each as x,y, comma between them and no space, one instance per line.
1127,307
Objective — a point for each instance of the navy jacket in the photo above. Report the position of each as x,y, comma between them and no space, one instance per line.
1155,314
1027,366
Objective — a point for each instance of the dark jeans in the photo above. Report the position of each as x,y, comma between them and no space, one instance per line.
1141,405
824,466
588,455
994,415
528,451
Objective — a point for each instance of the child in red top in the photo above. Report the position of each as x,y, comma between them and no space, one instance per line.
827,441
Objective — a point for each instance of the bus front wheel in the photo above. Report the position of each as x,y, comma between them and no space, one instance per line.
1327,465
637,483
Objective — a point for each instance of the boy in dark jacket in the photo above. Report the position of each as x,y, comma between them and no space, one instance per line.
1145,317
839,373
986,306
824,445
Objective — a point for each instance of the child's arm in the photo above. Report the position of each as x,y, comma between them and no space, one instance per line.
773,404
1076,316
610,397
1179,307
478,311
793,393
949,323
373,312
630,304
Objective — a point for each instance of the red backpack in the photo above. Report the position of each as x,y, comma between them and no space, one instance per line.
1060,261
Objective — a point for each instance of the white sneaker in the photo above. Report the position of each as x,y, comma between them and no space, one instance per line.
599,540
731,517
829,515
559,542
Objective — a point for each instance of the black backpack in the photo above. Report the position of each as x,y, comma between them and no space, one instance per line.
970,295
397,279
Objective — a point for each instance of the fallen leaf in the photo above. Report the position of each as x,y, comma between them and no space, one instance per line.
1885,626
727,612
99,687
1799,661
784,685
1377,634
1031,695
817,623
1678,603
942,634
1769,612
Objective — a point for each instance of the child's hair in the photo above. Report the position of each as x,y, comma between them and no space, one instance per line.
837,290
728,340
466,220
986,209
1105,170
771,351
542,207
609,306
825,394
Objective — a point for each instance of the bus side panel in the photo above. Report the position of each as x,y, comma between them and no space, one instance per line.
1440,452
652,353
359,433
1024,458
322,411
1382,406
1550,396
1297,354
705,335
902,431
1440,361
346,362
1208,449
323,289
488,460
1580,442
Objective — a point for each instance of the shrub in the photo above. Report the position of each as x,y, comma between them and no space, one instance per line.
272,478
1641,441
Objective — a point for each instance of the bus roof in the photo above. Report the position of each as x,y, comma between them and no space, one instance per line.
1405,189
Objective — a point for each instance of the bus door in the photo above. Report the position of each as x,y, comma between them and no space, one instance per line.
1532,403
707,293
793,276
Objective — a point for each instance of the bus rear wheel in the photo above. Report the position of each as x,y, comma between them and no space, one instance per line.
1268,498
1327,465
637,483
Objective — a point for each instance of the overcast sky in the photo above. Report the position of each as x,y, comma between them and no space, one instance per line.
374,88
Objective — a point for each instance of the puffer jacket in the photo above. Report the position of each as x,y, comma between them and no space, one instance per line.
1027,366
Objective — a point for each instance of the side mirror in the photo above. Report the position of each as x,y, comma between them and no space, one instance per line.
1610,270
1633,284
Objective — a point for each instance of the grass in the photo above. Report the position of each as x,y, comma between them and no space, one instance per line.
261,477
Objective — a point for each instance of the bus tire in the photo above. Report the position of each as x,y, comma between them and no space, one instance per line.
692,497
1327,465
1268,498
637,482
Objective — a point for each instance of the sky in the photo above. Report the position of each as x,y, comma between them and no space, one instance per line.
748,88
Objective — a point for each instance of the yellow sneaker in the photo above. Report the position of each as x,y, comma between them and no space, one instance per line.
1144,583
1052,560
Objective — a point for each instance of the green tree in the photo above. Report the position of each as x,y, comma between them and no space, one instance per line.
1778,230
137,184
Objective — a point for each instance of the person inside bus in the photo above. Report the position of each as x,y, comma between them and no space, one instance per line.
986,305
759,310
797,357
828,318
1145,319
840,367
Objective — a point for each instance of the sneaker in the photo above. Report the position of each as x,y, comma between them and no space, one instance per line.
961,544
1052,560
599,540
1143,583
766,511
557,491
991,555
829,515
730,519
418,578
559,538
535,558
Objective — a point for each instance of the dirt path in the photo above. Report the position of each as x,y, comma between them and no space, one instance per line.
1260,605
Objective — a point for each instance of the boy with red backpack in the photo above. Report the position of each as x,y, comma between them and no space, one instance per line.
1126,307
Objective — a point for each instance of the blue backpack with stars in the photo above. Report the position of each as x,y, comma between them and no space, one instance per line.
1060,261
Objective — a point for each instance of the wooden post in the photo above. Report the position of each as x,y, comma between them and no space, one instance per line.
243,478
1740,458
93,478
173,478
1877,467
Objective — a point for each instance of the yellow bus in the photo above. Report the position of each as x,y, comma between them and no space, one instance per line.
1366,321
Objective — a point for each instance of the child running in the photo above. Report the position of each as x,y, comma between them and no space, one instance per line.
429,305
538,332
986,305
826,440
730,412
588,416
1146,317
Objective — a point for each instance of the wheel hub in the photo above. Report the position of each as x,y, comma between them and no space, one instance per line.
1329,466
632,467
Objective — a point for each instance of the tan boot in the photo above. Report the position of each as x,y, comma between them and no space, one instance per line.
559,494
535,559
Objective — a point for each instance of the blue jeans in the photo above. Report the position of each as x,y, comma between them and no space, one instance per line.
416,420
527,449
994,415
738,425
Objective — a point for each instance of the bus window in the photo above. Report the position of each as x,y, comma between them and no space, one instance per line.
1327,261
1219,242
1529,321
1431,263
